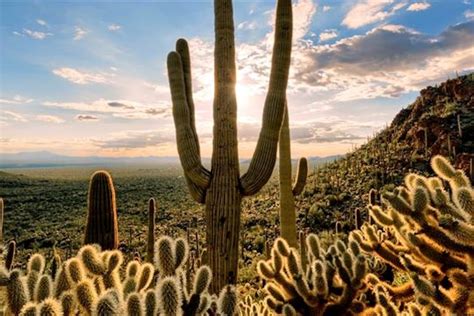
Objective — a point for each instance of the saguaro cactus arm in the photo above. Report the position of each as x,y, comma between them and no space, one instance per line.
301,174
188,147
264,157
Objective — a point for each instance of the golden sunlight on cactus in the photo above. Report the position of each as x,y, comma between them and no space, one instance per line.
427,232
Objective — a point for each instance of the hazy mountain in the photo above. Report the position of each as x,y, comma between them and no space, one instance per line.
47,159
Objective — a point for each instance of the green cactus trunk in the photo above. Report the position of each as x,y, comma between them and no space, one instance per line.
289,191
287,199
221,189
102,225
150,246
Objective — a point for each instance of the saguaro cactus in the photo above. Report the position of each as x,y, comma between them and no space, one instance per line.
150,245
287,191
1,219
102,225
221,189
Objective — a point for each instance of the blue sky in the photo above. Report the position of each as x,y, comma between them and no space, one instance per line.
89,78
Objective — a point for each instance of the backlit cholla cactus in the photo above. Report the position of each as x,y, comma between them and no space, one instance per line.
428,233
330,284
222,188
94,283
288,192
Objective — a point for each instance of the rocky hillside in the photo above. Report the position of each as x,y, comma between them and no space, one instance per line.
440,121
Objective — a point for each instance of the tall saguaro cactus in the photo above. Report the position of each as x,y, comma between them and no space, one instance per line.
102,224
288,192
221,189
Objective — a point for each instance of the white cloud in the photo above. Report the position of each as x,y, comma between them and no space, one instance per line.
41,22
385,62
79,33
82,77
247,25
326,8
114,27
135,139
367,12
49,119
469,14
419,6
117,108
37,35
17,99
327,35
12,116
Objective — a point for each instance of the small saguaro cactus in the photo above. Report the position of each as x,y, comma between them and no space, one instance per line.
1,219
150,245
102,225
222,188
287,191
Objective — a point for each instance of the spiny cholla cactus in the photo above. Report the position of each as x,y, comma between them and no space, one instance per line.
329,285
428,233
288,192
102,225
94,283
250,307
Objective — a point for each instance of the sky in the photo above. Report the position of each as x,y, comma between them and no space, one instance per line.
88,78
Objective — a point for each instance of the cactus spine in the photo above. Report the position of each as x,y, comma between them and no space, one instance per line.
150,245
222,188
287,191
102,225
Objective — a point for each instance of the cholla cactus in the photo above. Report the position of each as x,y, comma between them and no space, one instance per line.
328,286
429,234
249,307
92,283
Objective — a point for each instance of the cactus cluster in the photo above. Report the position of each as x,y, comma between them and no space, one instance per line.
94,282
426,231
324,282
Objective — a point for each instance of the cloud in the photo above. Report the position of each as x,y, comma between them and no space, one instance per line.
12,116
327,35
135,139
419,6
385,62
82,77
86,117
79,33
41,22
367,12
49,119
37,35
114,27
469,14
17,99
117,108
247,25
120,105
326,8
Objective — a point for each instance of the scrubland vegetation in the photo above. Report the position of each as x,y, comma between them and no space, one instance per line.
387,229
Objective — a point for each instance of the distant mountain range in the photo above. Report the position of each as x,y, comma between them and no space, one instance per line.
41,159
